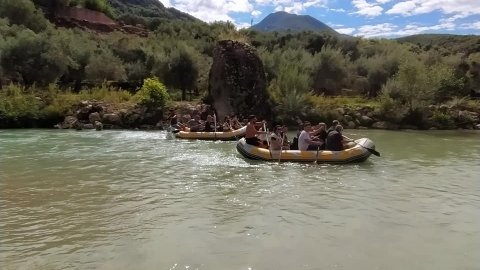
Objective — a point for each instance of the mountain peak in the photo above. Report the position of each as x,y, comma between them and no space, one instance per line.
284,21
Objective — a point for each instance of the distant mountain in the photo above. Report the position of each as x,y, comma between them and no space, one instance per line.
283,21
455,43
147,9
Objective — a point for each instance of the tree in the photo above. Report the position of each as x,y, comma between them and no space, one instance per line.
105,66
329,71
182,70
33,58
23,12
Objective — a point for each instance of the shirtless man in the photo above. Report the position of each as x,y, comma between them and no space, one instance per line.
252,132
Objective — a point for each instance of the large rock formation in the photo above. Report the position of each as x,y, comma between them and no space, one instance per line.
237,81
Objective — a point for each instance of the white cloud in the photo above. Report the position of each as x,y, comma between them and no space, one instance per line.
166,3
338,10
256,13
475,25
346,31
278,8
295,8
242,25
367,9
213,10
391,30
404,8
376,30
292,6
383,1
414,7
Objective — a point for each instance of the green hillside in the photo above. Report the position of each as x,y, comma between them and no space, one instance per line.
147,12
147,9
453,43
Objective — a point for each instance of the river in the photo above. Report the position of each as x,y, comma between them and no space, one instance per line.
136,200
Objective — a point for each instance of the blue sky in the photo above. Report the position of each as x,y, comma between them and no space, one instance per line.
366,18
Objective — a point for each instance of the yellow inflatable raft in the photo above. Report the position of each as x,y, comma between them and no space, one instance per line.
224,136
359,151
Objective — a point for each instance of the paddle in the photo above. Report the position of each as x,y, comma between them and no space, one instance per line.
215,124
281,146
316,158
266,136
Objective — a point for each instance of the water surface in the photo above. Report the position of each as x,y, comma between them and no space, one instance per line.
136,200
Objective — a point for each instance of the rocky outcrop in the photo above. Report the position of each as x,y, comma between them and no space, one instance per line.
76,17
437,117
237,82
100,115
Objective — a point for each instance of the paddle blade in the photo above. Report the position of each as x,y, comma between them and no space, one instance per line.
373,151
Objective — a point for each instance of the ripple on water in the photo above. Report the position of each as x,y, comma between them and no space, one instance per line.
123,199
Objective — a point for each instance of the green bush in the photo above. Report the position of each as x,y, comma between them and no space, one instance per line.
390,109
33,58
23,12
330,71
59,103
105,66
106,94
99,5
442,120
16,102
152,94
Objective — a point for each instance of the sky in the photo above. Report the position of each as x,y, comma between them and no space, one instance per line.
363,18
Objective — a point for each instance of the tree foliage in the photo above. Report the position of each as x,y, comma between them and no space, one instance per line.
299,66
23,12
152,94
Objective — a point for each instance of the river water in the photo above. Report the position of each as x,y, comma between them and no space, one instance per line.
136,200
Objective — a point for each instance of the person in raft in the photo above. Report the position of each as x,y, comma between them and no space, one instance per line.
322,134
336,140
195,124
335,123
209,124
172,118
306,141
252,132
276,139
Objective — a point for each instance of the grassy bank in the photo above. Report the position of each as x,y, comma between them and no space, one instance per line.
43,107
22,107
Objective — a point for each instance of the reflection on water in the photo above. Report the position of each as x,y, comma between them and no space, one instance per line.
135,200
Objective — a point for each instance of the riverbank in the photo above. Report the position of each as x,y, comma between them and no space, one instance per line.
100,115
108,108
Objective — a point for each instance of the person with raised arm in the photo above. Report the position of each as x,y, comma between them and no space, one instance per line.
305,140
252,132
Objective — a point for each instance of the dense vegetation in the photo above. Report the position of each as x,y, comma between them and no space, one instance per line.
399,79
